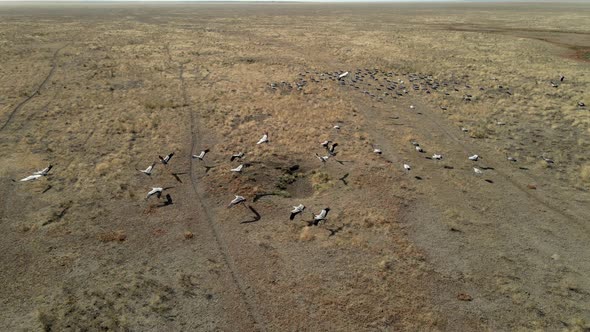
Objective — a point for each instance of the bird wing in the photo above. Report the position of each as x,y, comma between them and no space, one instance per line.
293,214
43,171
31,177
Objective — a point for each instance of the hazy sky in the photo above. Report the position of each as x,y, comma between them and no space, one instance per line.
359,1
233,0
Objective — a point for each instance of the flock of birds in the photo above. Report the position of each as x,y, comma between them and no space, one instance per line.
379,84
386,85
297,210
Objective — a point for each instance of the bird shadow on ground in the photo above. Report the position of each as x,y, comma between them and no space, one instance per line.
254,219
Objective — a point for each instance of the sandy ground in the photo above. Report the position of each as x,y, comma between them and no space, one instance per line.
100,91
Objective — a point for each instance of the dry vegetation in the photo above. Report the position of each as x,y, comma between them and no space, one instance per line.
444,251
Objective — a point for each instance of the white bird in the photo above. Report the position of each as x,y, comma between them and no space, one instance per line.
155,191
337,127
477,170
264,139
201,155
512,159
414,143
296,210
377,151
239,155
238,169
44,171
326,144
32,177
419,149
463,129
237,200
322,159
38,174
474,157
343,75
322,216
412,107
407,167
437,156
166,160
547,160
149,169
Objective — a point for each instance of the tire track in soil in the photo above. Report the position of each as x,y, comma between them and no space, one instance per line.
239,283
519,240
437,126
37,90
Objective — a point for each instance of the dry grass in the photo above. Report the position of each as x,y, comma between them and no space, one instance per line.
113,236
116,102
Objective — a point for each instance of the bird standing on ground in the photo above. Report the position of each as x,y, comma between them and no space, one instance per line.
201,155
477,170
264,139
547,160
437,156
407,167
377,150
166,160
296,210
148,170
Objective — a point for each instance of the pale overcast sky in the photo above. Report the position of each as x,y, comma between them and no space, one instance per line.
234,0
359,1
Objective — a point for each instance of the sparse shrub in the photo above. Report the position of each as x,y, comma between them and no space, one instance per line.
113,236
320,180
284,180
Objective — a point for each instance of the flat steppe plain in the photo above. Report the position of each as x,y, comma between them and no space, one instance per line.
100,91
